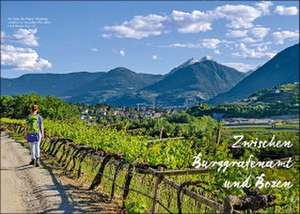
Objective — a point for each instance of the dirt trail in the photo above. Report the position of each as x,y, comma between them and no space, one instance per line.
27,189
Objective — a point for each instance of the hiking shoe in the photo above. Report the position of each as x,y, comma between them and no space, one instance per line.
31,162
37,162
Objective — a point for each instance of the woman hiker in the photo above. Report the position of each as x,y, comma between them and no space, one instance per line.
34,133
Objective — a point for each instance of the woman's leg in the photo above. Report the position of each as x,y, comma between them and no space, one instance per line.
32,150
37,149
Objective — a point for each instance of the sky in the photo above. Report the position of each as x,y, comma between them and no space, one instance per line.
146,37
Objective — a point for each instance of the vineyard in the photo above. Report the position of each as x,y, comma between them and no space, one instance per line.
156,175
147,163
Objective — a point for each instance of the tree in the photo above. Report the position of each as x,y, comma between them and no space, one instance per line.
50,107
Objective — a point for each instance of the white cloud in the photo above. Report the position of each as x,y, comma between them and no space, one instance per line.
154,57
240,16
237,33
195,28
26,59
26,37
94,49
251,35
122,53
258,52
228,43
2,36
280,36
248,40
105,35
259,32
289,11
264,7
194,22
261,45
240,66
217,52
185,45
210,43
137,28
196,15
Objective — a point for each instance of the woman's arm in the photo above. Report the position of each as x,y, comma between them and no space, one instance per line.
41,126
42,130
26,129
25,132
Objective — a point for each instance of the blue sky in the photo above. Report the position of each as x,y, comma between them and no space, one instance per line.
146,37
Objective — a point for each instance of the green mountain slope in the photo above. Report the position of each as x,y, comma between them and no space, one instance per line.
194,81
280,100
46,84
283,68
111,85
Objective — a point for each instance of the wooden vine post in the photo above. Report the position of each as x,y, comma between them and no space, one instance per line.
128,177
161,133
219,117
156,192
219,130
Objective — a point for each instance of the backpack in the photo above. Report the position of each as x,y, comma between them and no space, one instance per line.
33,124
33,128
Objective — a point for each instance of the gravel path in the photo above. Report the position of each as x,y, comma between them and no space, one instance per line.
27,189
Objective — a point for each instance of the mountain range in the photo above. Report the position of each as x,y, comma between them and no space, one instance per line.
192,82
282,68
195,80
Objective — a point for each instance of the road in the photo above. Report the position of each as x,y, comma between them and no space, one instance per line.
251,126
28,189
